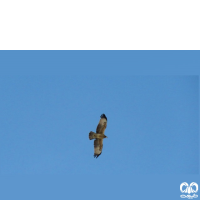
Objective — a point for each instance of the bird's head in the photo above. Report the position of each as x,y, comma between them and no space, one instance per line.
103,116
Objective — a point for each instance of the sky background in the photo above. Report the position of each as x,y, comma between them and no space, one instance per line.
153,124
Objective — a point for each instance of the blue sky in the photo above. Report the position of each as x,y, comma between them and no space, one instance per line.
153,121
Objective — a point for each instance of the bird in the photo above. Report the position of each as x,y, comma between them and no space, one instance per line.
99,136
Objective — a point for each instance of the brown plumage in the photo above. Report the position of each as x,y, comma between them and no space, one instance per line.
99,136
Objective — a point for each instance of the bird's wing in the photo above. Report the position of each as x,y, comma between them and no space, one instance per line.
98,146
101,126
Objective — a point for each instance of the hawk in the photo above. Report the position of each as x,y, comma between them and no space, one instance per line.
99,136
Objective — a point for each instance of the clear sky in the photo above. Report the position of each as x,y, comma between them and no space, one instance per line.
153,126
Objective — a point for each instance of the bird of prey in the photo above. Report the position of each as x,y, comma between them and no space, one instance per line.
99,136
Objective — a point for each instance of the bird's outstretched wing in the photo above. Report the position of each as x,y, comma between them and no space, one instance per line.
101,126
98,146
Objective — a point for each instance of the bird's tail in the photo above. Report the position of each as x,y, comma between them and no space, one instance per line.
92,135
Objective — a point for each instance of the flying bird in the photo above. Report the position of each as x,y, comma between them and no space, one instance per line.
99,136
